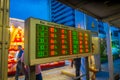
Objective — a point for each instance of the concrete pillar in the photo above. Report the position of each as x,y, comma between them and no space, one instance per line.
109,52
4,38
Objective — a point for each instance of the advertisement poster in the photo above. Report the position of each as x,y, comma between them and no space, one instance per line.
92,24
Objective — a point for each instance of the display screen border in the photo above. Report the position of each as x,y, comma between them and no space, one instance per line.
30,43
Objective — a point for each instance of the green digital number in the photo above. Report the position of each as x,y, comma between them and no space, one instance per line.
75,42
75,37
55,35
42,40
55,30
74,33
42,47
75,51
55,41
55,47
42,34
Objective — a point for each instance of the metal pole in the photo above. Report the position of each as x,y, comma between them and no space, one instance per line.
109,53
86,58
1,38
32,75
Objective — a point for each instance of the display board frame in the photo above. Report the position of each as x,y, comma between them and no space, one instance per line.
30,41
95,41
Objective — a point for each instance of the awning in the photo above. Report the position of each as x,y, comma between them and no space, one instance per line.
106,10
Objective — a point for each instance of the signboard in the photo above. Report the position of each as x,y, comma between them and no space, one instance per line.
47,42
92,24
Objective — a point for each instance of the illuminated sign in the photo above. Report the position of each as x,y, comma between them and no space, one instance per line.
54,41
92,24
46,42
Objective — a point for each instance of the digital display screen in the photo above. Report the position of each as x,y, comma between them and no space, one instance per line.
56,41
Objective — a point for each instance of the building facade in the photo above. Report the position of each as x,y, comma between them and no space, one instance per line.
62,14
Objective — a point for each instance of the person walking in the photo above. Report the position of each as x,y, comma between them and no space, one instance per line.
20,65
77,63
37,70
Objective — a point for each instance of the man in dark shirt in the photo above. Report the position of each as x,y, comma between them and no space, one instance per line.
77,63
77,66
19,65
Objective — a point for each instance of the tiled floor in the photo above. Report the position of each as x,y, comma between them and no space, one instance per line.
105,68
116,66
20,78
55,74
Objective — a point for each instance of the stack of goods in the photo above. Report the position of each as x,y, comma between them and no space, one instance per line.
16,38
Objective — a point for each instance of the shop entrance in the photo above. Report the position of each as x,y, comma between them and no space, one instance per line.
16,38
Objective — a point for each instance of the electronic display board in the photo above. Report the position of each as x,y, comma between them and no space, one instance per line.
47,42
